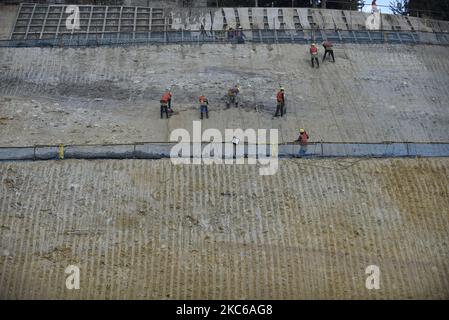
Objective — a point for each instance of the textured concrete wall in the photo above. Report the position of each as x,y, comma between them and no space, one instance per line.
296,18
165,3
7,18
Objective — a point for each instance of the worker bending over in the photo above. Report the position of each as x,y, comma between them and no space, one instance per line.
232,96
328,49
169,95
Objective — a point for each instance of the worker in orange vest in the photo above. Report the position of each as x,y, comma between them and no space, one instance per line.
303,137
204,103
166,104
314,55
303,140
169,95
328,48
280,98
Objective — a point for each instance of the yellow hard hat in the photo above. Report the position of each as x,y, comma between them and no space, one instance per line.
301,130
282,88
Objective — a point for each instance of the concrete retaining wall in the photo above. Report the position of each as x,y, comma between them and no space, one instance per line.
162,150
32,22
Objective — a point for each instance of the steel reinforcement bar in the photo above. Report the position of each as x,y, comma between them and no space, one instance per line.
163,150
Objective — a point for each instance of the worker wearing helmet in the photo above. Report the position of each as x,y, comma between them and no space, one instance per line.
169,97
280,98
303,136
232,96
303,139
165,103
328,49
314,55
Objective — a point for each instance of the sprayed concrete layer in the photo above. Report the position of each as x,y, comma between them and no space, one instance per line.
148,229
373,93
207,151
8,15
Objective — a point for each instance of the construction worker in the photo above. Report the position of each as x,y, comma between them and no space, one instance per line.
314,55
231,34
204,103
280,98
232,96
203,32
169,97
166,97
303,139
373,7
239,35
328,49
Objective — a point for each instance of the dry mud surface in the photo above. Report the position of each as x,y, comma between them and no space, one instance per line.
373,93
149,229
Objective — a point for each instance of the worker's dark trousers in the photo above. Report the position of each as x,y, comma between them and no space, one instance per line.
317,62
204,110
331,53
303,150
232,100
279,109
164,109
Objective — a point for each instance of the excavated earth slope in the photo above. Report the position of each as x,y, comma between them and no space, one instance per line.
373,93
150,229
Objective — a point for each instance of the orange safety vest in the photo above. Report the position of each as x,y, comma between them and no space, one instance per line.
303,138
280,96
166,97
327,44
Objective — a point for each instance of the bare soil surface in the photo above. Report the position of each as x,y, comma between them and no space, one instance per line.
150,229
373,93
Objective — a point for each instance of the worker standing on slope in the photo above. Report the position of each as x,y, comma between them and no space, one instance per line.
303,139
169,97
328,49
239,35
314,55
232,96
203,32
166,97
231,34
204,103
280,98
